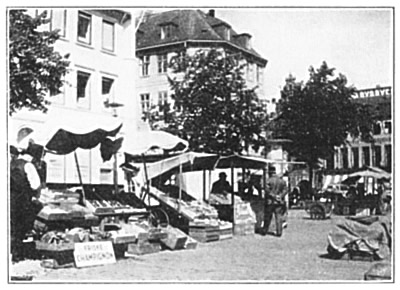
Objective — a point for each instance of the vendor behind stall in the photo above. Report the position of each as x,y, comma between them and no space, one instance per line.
221,185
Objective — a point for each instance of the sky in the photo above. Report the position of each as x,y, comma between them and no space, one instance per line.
357,42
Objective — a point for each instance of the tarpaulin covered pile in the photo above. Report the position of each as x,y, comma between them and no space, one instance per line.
362,235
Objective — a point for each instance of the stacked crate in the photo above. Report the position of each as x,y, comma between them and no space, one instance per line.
204,230
244,218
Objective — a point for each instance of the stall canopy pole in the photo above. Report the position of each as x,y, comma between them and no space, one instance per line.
147,179
180,188
204,185
233,196
80,177
115,169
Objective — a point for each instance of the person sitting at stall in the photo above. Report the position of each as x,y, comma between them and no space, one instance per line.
221,185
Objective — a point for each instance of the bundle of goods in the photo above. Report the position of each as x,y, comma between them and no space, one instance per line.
204,230
57,247
245,219
361,238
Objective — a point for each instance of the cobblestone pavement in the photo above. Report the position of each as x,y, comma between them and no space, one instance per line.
295,257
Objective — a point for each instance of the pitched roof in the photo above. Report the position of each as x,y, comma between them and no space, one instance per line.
190,25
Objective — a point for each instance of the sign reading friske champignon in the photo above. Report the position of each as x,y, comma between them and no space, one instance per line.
94,253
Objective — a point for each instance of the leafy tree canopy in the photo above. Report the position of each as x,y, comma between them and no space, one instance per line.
215,111
34,67
320,115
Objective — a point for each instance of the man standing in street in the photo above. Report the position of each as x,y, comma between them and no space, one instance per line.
274,202
24,185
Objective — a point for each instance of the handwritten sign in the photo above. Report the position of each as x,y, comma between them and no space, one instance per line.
94,253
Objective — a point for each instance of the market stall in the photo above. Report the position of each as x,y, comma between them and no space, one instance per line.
80,214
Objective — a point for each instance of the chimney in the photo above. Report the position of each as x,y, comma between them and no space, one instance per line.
211,13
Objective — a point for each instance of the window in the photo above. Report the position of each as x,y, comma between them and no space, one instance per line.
144,65
108,36
227,34
377,156
83,88
366,156
84,28
377,128
59,21
260,75
250,72
166,31
388,155
162,100
345,158
145,103
356,159
387,127
162,61
107,90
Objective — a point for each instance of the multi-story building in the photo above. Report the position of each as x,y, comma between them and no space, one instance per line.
378,153
160,36
101,71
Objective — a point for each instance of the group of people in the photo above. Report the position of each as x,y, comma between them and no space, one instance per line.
27,176
274,200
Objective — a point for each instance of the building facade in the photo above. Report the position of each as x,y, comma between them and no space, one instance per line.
160,36
358,154
101,73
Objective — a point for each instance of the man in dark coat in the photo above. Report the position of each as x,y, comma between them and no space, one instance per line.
24,185
274,202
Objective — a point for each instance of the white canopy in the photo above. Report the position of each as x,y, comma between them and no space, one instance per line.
140,142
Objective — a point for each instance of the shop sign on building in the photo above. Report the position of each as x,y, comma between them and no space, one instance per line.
94,253
376,92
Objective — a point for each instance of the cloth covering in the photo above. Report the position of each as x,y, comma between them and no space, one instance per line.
371,235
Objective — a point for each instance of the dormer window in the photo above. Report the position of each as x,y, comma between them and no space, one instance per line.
244,40
223,30
167,30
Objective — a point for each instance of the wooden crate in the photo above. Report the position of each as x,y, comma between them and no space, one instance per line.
175,240
143,248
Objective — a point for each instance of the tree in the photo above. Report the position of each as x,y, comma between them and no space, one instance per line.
35,69
320,115
215,111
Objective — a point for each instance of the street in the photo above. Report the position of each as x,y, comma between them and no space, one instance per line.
296,256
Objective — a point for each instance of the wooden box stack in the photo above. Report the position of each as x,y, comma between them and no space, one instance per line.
204,231
225,230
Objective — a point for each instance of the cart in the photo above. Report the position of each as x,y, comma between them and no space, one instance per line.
319,210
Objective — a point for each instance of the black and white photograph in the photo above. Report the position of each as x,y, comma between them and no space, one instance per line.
199,144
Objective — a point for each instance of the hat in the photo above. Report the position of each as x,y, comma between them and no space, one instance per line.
35,150
13,150
271,169
222,174
129,167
